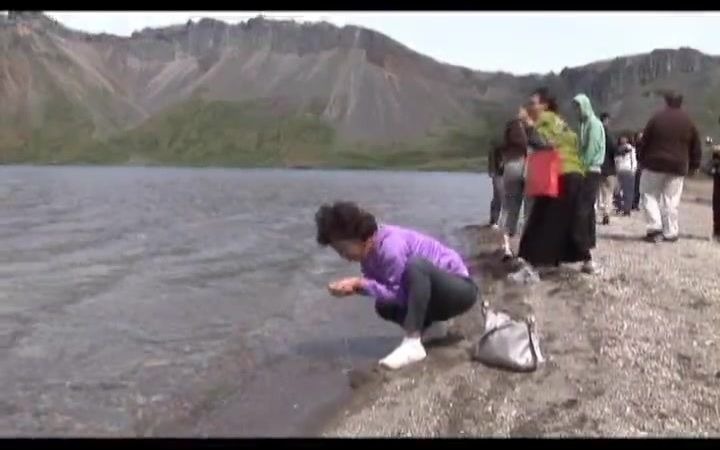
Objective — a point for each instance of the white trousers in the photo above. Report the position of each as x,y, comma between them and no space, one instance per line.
660,197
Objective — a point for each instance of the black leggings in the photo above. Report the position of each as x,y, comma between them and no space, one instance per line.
433,295
588,196
636,201
716,205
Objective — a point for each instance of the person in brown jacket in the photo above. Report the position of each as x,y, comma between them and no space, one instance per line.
514,151
671,150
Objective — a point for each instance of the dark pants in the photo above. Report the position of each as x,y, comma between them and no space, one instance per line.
636,199
588,196
557,230
497,199
626,180
433,295
716,205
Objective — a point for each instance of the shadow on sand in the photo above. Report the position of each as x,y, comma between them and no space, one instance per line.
631,238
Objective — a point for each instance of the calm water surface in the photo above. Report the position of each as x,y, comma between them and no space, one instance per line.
190,301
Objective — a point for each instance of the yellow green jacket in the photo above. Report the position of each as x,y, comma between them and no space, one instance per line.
556,131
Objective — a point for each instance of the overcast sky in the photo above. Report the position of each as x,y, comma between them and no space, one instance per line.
513,42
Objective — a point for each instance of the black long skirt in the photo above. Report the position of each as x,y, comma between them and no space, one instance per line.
557,230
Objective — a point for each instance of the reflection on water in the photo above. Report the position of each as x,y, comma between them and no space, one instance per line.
177,301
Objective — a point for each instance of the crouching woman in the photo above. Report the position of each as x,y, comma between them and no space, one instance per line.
416,281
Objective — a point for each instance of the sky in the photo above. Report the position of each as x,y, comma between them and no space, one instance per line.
513,42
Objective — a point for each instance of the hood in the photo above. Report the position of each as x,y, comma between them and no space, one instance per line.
586,109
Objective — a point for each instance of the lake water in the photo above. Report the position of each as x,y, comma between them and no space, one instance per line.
152,301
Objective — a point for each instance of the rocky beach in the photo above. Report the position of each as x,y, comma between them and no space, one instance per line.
632,351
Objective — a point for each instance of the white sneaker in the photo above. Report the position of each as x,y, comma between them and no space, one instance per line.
507,255
435,332
507,251
409,351
589,268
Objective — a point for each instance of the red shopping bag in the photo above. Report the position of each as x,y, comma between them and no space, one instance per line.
543,174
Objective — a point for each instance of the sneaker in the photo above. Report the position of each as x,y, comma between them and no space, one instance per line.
408,352
626,214
494,226
507,253
589,268
606,220
506,249
654,237
671,239
437,331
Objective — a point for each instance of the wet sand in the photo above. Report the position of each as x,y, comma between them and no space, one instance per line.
632,351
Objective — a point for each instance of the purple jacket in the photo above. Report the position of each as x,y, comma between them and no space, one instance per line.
384,267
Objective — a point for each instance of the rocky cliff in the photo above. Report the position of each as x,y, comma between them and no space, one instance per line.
60,87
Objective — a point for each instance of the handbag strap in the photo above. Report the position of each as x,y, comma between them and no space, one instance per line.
531,337
487,334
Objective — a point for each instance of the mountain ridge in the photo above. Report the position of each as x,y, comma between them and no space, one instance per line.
367,89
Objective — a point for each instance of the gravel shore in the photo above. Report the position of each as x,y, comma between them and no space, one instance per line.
632,351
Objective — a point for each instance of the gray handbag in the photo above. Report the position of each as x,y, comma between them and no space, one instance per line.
508,344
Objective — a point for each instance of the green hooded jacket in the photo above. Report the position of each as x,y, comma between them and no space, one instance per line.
592,135
556,131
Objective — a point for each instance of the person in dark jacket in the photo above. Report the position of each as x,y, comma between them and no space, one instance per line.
671,150
715,170
495,171
607,173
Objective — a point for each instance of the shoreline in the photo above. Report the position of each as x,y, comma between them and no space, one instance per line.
319,168
632,351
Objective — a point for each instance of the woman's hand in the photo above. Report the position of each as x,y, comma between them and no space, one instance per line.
522,114
345,287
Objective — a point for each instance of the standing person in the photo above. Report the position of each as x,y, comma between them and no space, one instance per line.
671,150
592,154
626,164
715,171
607,172
513,155
553,233
638,148
416,281
495,171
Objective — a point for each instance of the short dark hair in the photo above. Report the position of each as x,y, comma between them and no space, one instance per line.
547,98
604,116
343,220
673,99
